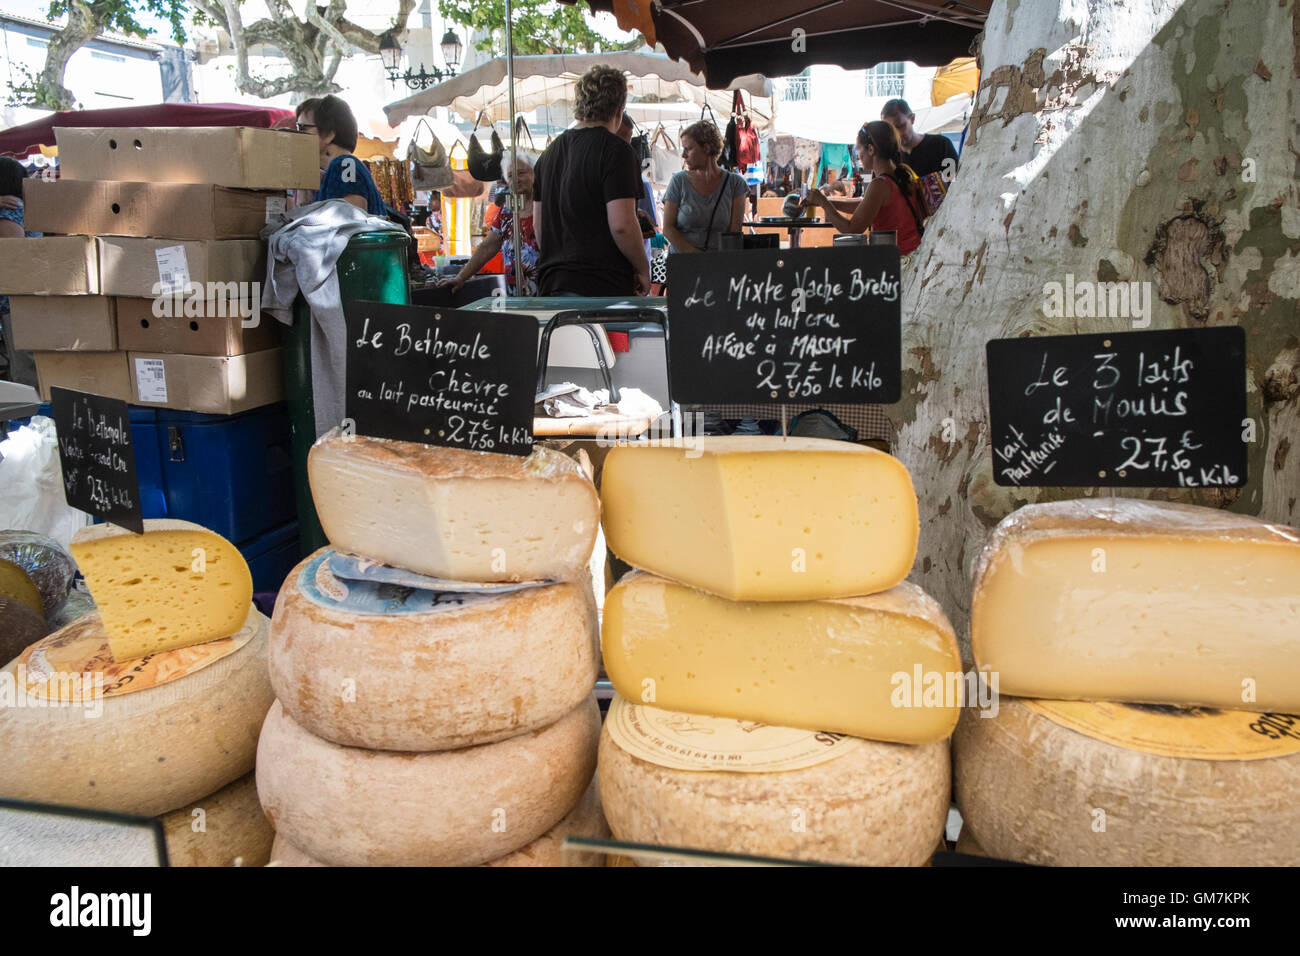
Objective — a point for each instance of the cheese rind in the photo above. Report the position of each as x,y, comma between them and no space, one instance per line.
1140,601
230,830
149,751
762,519
351,807
586,819
846,665
879,804
1034,791
438,680
176,585
455,514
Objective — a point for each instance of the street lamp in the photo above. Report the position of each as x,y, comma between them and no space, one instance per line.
390,52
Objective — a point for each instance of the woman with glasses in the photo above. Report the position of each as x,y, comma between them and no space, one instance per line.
891,200
343,176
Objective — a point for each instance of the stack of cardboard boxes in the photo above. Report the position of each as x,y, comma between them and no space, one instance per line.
147,285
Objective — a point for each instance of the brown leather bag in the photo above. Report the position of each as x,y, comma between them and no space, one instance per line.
464,185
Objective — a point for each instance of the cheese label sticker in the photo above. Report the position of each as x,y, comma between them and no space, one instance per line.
694,742
1196,733
320,585
58,666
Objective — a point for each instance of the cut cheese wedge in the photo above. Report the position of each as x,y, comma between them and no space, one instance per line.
1078,783
762,519
1149,601
455,514
858,666
176,585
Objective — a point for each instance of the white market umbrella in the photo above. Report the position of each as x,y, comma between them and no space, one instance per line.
546,80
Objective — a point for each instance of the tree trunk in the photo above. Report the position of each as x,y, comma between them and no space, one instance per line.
1113,141
82,26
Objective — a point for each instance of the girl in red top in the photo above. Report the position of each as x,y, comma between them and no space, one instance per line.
891,201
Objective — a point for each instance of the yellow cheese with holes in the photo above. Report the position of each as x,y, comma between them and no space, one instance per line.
858,666
176,585
762,518
1119,599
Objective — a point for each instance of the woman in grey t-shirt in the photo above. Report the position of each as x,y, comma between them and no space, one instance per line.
703,201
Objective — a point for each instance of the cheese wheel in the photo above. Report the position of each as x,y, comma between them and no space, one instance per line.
455,514
44,560
226,828
586,819
15,583
351,664
20,627
1033,789
148,751
877,804
352,807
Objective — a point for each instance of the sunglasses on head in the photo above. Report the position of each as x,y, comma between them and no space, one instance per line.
304,127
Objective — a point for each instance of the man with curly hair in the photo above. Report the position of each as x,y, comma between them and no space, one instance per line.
585,191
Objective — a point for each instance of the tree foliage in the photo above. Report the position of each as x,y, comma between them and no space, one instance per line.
540,26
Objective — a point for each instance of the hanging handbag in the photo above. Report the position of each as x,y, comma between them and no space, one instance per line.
640,144
485,166
665,160
430,168
521,130
747,151
464,185
728,160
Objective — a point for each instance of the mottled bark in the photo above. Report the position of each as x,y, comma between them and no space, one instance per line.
1148,142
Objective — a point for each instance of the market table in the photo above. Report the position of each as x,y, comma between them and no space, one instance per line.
793,226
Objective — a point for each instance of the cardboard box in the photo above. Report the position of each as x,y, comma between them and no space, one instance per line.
214,327
240,156
100,373
174,210
64,323
132,266
55,265
215,384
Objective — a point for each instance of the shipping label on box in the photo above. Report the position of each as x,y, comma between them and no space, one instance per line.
239,156
53,265
174,210
99,373
209,268
195,326
212,384
64,323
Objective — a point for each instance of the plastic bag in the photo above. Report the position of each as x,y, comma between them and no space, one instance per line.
44,560
31,484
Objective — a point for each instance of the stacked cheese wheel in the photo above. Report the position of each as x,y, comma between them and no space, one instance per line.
151,705
434,667
1154,649
782,692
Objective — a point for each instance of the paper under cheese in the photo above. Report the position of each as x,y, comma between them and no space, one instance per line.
1119,599
175,585
856,666
762,519
455,514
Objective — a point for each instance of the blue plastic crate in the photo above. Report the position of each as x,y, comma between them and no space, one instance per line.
271,556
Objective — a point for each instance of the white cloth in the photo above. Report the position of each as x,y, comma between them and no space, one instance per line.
303,248
567,400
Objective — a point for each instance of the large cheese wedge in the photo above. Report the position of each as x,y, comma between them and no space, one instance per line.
586,820
158,734
857,666
351,807
226,828
368,665
762,519
1119,599
455,514
175,585
791,794
1078,783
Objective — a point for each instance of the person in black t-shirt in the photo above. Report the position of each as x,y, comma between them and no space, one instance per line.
924,152
585,191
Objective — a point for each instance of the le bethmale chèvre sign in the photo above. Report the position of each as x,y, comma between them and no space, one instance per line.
786,326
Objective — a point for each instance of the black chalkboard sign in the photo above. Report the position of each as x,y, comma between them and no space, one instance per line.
1123,409
778,326
97,456
442,376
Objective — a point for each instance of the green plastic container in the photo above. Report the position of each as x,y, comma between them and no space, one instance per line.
372,267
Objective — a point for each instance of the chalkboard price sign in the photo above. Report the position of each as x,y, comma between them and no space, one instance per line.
780,326
97,456
442,376
1124,410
